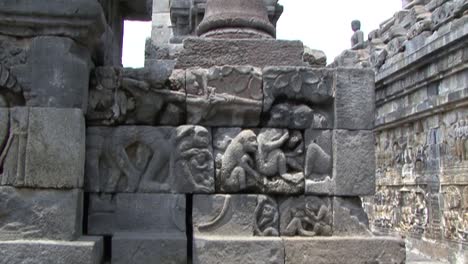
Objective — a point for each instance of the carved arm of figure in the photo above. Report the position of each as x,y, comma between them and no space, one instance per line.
275,144
246,161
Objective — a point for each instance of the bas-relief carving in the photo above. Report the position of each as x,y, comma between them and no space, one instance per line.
306,216
318,158
11,55
455,214
297,98
261,160
149,159
224,96
134,96
266,220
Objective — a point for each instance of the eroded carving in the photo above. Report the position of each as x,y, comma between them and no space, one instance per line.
270,160
306,216
266,217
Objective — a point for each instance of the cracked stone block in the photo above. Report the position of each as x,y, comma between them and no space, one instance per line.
43,148
235,250
349,217
307,216
298,97
235,215
352,250
149,159
34,214
148,248
224,96
86,250
354,99
318,162
145,213
264,160
354,162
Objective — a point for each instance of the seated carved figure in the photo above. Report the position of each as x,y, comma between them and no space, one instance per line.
266,217
357,40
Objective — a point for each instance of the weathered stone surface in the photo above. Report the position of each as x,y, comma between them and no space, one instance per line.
259,161
315,58
149,159
87,250
40,214
344,250
354,99
154,95
354,162
349,218
44,148
144,213
207,53
224,96
235,215
146,248
298,97
318,162
26,18
352,59
234,250
306,216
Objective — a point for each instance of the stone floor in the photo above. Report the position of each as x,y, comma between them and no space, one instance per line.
415,257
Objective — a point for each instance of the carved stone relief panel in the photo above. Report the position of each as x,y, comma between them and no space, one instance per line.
235,215
149,96
12,56
455,213
149,159
260,160
318,162
306,216
298,98
224,96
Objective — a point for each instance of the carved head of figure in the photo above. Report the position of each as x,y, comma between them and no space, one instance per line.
248,140
295,139
302,116
356,25
279,115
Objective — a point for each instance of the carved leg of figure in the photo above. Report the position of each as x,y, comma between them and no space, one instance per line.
155,166
304,232
237,180
293,227
270,231
126,166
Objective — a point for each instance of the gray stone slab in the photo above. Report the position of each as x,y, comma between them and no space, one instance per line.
356,250
224,96
235,250
87,250
44,148
298,97
58,73
205,53
82,20
349,217
354,101
306,216
144,213
354,162
40,214
259,161
149,159
147,248
235,215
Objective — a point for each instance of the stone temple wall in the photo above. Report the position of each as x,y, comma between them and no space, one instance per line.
231,150
421,126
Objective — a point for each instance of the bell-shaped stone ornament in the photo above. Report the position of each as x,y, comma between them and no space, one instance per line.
236,19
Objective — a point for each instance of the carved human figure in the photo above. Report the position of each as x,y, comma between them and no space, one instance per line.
238,161
266,217
357,40
310,219
460,134
295,150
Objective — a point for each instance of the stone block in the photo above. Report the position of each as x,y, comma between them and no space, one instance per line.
82,20
224,96
206,53
235,215
40,214
259,161
44,148
349,217
354,101
307,216
147,248
356,250
354,162
235,250
144,213
58,73
149,159
87,250
298,97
